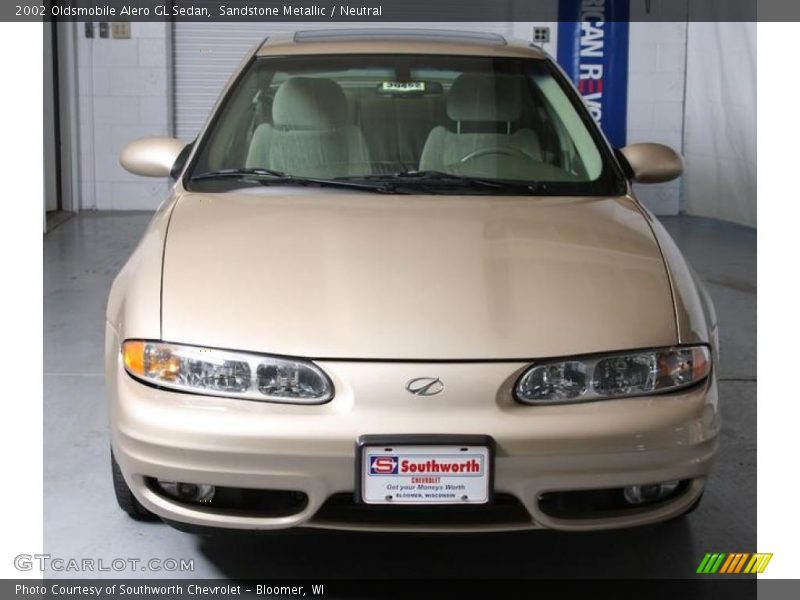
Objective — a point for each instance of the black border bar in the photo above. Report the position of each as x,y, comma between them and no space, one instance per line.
374,589
372,11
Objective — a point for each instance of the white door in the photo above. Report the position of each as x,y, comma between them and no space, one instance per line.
205,55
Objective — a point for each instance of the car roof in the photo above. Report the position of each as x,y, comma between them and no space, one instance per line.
397,41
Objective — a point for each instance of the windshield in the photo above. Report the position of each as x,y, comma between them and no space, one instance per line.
437,123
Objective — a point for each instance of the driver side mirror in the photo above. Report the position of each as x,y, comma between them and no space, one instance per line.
151,156
652,163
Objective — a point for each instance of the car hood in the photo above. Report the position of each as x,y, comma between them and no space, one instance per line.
329,273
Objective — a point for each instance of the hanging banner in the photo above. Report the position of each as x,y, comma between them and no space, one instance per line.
593,50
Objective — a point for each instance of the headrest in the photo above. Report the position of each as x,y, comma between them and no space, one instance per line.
309,103
477,97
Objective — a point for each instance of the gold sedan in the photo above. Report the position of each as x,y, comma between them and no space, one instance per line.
402,282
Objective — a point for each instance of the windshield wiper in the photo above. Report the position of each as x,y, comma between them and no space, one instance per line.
271,176
382,183
441,177
241,173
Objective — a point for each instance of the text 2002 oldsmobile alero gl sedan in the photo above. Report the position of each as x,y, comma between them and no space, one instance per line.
402,283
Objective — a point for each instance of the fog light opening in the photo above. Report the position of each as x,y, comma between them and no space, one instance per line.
651,492
188,492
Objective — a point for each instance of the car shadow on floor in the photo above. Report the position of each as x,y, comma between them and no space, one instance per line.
663,550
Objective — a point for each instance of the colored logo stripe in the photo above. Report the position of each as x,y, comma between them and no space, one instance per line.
711,563
758,563
704,564
721,562
734,563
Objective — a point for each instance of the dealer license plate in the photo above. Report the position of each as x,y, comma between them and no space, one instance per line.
406,474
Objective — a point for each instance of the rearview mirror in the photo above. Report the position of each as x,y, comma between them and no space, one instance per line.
653,163
151,156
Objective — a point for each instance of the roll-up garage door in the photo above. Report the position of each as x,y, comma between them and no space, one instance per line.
206,54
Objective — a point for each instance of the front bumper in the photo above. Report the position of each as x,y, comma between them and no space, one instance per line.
311,449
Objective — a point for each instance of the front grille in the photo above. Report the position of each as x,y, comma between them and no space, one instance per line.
341,509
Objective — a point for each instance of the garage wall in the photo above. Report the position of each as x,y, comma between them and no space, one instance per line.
720,146
205,55
123,93
656,76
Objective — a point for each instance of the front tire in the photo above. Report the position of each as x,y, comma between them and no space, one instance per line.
125,498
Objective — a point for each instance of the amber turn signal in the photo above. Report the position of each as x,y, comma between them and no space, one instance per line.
133,357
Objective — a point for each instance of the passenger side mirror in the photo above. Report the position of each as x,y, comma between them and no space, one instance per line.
652,163
151,156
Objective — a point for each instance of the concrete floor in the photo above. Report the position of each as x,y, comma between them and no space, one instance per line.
81,518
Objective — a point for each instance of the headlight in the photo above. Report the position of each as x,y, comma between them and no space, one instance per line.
223,373
614,376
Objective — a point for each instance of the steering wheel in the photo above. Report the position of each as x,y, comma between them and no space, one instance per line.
501,150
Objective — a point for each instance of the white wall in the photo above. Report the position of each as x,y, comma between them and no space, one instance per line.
656,73
720,145
124,93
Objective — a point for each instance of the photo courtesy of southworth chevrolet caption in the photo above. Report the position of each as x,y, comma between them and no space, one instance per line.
353,295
